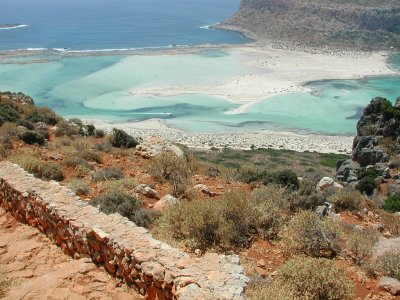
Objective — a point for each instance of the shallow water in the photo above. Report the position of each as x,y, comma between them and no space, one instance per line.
98,87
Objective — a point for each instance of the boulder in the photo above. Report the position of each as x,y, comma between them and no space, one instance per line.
155,146
147,191
385,245
390,285
346,171
325,183
205,189
393,189
366,151
165,202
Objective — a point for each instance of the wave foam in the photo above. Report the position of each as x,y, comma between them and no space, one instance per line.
209,26
13,27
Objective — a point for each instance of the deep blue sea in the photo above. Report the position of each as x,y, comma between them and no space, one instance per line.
114,24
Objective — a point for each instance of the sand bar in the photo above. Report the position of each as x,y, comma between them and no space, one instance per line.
274,71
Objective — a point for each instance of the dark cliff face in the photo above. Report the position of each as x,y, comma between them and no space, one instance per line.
367,24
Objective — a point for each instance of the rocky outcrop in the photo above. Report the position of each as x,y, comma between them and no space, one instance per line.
375,125
378,132
125,250
346,171
16,97
155,146
351,23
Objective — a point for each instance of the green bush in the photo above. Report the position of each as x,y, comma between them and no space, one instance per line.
392,204
108,173
31,137
307,234
389,111
120,139
98,133
305,279
347,199
368,172
8,113
286,178
25,123
124,204
366,186
389,264
43,114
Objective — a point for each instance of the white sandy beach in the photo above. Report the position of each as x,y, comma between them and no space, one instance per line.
277,71
239,140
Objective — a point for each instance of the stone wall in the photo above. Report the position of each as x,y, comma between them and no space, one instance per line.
126,250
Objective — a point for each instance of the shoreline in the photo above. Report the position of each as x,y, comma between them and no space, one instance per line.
282,140
271,71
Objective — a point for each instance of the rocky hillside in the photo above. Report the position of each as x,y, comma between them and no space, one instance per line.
368,24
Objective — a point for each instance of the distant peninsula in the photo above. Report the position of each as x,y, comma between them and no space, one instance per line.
352,24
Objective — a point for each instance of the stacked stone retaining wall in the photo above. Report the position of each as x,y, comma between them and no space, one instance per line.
126,250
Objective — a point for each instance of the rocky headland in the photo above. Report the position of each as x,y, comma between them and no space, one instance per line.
368,25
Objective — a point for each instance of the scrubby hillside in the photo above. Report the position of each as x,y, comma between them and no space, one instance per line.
288,221
341,23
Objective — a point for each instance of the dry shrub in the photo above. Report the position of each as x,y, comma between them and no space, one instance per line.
348,199
168,167
391,222
124,204
108,174
92,156
307,234
219,224
82,171
209,224
5,283
360,245
389,264
277,195
29,160
80,187
125,185
304,278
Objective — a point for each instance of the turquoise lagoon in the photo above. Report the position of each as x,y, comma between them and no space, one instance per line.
97,87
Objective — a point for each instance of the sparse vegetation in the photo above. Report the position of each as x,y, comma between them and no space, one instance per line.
223,224
5,283
389,264
360,244
80,187
307,234
125,205
304,278
108,173
31,163
347,199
